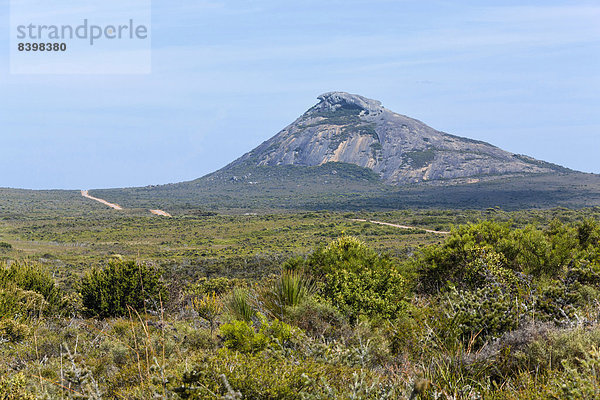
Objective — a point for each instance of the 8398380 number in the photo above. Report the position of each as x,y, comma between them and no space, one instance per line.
42,46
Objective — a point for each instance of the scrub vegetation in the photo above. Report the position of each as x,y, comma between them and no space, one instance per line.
99,304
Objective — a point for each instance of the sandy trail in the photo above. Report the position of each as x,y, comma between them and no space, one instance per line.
160,212
85,193
401,226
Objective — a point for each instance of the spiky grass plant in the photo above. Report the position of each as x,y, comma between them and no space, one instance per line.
239,304
290,289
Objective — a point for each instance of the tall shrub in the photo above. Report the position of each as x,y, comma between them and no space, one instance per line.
33,277
122,284
358,280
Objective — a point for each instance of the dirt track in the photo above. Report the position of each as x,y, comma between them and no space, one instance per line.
85,193
160,212
401,226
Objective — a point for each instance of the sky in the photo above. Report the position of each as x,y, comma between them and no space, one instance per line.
228,75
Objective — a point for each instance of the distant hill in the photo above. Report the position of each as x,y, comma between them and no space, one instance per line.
350,153
352,129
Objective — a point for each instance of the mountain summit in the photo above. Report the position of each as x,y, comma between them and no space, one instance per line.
353,129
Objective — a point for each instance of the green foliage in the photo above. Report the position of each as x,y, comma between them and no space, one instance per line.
419,159
541,253
289,289
553,349
265,376
219,285
17,308
514,316
482,314
241,336
122,285
588,233
375,147
582,382
14,388
208,307
528,250
5,246
238,304
499,277
246,338
559,365
357,280
319,319
450,262
27,291
32,277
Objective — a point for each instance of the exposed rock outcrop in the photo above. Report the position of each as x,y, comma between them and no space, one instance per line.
353,129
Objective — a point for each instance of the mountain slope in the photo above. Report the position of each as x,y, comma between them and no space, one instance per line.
349,153
349,128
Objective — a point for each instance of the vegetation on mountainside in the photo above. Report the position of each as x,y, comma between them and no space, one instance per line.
347,187
332,186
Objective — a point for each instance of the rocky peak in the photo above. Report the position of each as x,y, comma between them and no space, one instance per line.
333,101
353,129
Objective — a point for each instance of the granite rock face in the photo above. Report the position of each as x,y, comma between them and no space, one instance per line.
349,128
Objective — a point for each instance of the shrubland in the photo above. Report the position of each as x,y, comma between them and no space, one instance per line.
500,308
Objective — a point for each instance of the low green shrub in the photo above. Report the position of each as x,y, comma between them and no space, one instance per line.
248,338
357,280
477,316
588,233
574,376
531,251
27,292
122,285
552,350
268,377
241,336
582,381
319,319
15,388
209,307
33,277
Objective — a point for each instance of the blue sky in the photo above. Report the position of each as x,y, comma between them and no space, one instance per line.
227,75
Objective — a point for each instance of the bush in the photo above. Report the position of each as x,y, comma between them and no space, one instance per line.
27,291
208,307
242,336
565,364
15,388
588,233
35,278
320,319
263,376
483,314
581,381
122,284
528,250
357,280
541,253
